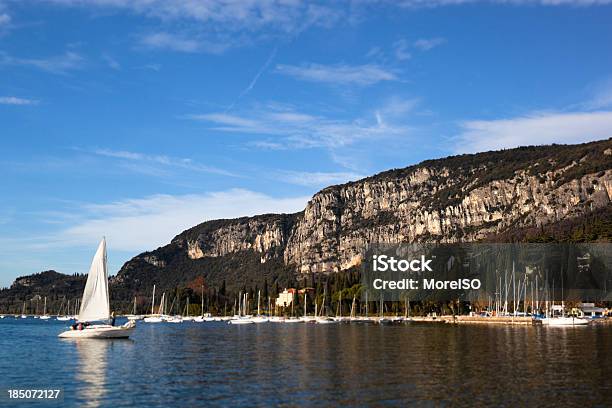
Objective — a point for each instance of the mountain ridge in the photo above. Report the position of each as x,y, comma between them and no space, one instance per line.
458,198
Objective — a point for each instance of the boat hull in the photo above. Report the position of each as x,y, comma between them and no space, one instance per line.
241,321
99,332
565,321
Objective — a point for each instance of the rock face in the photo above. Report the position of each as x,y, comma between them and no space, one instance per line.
460,198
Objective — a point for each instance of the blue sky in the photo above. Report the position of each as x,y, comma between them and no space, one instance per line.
138,119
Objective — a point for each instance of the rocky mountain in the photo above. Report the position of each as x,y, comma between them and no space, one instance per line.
461,198
543,193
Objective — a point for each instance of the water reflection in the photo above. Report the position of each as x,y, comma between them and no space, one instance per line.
91,374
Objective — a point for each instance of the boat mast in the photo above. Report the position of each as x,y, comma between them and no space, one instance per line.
258,302
153,301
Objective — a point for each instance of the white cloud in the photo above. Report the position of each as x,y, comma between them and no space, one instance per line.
171,42
297,130
426,44
208,25
161,160
146,223
340,74
317,179
232,14
13,100
534,129
59,64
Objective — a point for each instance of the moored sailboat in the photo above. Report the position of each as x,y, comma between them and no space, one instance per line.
45,316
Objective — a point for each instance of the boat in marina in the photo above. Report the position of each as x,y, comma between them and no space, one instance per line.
45,316
134,316
242,317
95,305
259,318
187,318
153,317
64,317
324,319
565,321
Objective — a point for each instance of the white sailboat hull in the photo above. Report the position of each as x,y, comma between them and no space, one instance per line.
565,321
101,331
242,320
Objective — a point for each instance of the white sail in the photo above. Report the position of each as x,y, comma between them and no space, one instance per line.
95,304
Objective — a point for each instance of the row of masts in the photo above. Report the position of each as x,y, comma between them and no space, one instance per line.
514,297
65,309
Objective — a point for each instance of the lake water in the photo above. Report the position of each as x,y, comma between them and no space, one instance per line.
194,364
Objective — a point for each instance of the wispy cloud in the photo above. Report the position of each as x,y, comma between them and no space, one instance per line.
208,25
400,48
340,74
316,179
291,129
169,41
441,3
426,44
533,129
5,20
144,223
150,67
601,96
59,64
13,100
111,62
233,15
161,160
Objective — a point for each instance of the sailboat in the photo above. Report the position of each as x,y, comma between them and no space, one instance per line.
45,316
563,320
95,306
306,318
324,319
63,318
23,315
134,316
155,318
187,318
382,319
260,318
242,317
